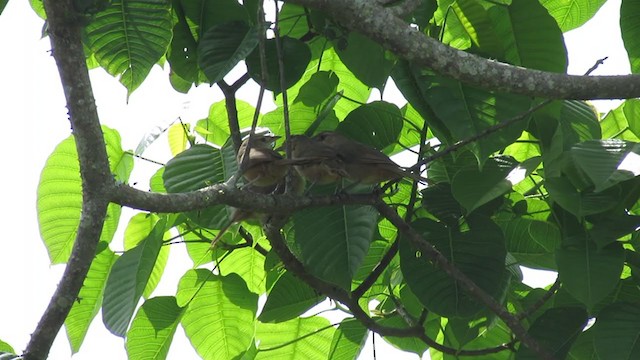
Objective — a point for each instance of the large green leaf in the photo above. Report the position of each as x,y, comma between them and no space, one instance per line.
623,122
589,274
223,46
531,37
249,264
289,298
215,128
271,337
366,59
82,312
556,330
293,21
630,28
128,279
617,330
295,57
60,195
348,340
129,37
333,241
183,53
377,124
572,14
153,328
219,320
204,14
198,167
581,203
607,162
320,86
479,253
477,25
532,242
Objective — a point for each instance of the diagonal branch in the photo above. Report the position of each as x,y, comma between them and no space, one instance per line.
382,26
65,34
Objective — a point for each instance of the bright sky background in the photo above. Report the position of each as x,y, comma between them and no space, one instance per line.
35,119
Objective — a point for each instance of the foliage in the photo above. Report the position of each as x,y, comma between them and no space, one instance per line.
555,189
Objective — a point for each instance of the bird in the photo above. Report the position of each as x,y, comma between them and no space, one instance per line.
323,165
362,163
264,166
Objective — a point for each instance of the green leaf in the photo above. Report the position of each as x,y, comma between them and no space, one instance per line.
219,320
60,196
6,348
366,59
607,162
583,347
571,15
293,21
473,188
377,124
532,242
223,46
3,3
588,274
581,203
439,201
410,344
153,328
90,297
320,86
630,28
301,118
312,337
128,279
249,264
204,14
215,128
183,51
479,253
129,37
531,37
289,298
348,340
617,330
623,122
477,25
556,330
295,56
334,240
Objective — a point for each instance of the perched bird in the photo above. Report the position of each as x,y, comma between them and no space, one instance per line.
323,166
264,166
362,163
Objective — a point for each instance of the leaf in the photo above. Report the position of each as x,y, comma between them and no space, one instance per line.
617,330
572,15
289,298
320,86
295,56
219,321
223,46
215,128
293,21
204,14
477,25
249,264
366,59
622,122
607,162
178,136
581,203
439,201
334,240
60,196
532,242
348,340
128,279
307,338
6,348
531,37
556,330
473,188
588,274
479,253
129,37
377,124
90,297
183,51
630,29
153,328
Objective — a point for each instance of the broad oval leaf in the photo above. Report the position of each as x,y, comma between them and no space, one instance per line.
60,195
289,298
295,56
571,15
623,122
128,279
308,338
219,321
617,330
348,340
377,124
366,59
607,162
479,253
223,46
630,28
129,37
153,328
532,242
318,88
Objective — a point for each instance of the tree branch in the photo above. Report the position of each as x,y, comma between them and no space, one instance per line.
229,92
65,35
382,26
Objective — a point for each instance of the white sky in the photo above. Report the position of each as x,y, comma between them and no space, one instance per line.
34,115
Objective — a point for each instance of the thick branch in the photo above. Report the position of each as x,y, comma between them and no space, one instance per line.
65,35
380,24
437,258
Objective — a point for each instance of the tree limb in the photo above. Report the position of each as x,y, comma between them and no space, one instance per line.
65,35
382,26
